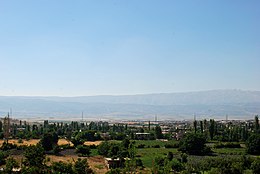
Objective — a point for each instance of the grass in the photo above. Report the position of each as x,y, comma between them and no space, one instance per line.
147,155
150,143
99,166
230,151
94,152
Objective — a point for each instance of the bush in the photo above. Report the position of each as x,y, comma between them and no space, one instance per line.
139,162
103,148
83,150
175,145
194,144
81,166
114,171
10,164
140,146
253,144
3,156
61,167
176,165
255,166
156,146
93,146
20,141
227,145
56,150
66,146
8,146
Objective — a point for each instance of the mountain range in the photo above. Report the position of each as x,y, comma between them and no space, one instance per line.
237,104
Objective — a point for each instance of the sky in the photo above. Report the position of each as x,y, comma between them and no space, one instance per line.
120,47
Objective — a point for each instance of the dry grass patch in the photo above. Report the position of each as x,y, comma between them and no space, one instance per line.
24,142
64,142
97,164
92,143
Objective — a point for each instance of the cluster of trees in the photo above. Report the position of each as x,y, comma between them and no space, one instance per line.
226,132
79,131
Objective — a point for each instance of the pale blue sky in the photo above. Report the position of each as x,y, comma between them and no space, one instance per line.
74,48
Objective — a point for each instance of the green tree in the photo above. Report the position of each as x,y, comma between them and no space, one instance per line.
1,126
131,165
176,165
83,150
81,167
34,156
3,156
256,123
253,144
201,126
195,126
170,156
126,143
255,166
49,141
211,128
158,132
103,148
193,144
114,150
61,167
11,163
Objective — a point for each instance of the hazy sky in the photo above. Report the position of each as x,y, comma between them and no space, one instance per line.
72,48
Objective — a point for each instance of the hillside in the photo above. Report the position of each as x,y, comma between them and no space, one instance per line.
237,104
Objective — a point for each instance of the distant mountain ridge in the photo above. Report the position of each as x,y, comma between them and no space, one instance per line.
216,103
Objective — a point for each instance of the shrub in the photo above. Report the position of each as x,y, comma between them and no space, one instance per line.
61,167
83,150
156,146
255,166
194,144
20,141
253,144
3,155
93,146
139,162
140,146
176,165
8,146
175,145
103,148
227,145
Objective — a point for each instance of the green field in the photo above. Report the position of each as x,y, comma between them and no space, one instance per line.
147,155
229,151
150,143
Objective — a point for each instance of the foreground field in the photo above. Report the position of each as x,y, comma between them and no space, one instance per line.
146,150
